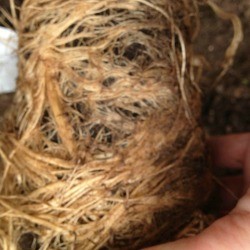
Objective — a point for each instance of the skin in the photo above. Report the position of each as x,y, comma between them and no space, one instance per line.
231,232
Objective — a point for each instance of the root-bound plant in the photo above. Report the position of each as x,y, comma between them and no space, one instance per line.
102,147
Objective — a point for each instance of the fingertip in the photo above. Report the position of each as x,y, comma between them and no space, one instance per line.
230,150
192,243
244,204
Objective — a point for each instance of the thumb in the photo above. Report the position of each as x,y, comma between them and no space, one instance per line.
227,233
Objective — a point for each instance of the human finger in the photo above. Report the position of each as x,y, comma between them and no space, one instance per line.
230,190
247,167
228,233
230,150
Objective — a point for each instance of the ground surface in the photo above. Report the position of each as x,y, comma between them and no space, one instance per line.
226,105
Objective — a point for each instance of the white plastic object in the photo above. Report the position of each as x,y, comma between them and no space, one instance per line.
8,60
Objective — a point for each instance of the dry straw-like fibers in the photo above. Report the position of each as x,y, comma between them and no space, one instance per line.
102,147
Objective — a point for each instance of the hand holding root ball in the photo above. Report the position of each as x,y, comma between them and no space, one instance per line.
231,232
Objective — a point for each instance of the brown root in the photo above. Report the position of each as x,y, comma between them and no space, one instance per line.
102,147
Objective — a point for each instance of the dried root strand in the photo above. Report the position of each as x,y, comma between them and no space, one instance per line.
237,38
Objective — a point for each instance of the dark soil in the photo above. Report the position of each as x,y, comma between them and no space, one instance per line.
226,105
